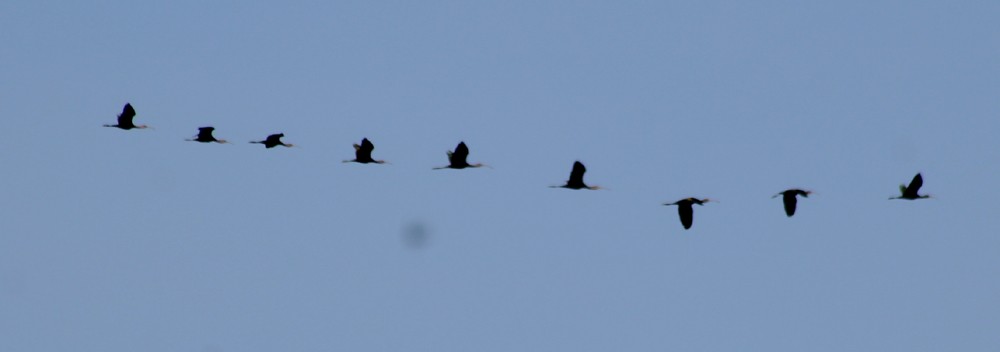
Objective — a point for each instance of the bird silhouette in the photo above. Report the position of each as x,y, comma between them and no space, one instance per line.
205,136
274,140
125,119
788,197
457,158
910,192
686,211
363,153
576,178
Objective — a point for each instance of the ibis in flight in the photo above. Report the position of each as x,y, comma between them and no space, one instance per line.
457,158
125,119
274,140
910,192
363,153
686,211
788,197
576,178
205,136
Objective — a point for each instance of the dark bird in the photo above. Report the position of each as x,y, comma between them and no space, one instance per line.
686,211
456,159
363,153
125,119
274,140
576,178
205,136
788,197
910,192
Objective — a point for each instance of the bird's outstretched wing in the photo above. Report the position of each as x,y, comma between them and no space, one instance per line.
686,213
460,154
915,184
790,201
126,116
274,138
576,176
205,133
364,151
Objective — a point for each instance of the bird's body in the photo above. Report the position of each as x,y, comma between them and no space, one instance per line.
788,198
274,140
575,180
685,210
457,158
205,136
363,153
125,119
911,192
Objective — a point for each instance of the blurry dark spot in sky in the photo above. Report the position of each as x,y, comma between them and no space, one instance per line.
415,235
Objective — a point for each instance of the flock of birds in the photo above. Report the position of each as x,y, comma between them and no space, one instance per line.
457,159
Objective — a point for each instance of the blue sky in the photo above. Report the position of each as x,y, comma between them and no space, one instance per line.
126,240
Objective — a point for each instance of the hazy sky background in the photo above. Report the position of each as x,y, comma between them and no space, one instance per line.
137,240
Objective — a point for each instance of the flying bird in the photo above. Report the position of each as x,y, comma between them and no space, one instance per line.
457,158
788,197
205,136
910,192
125,119
686,211
273,140
576,178
363,153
